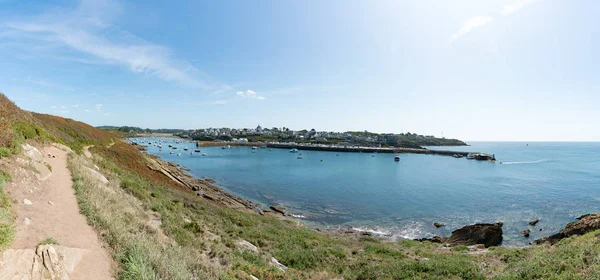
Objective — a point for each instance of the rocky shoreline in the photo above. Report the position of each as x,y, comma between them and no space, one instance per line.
203,188
477,234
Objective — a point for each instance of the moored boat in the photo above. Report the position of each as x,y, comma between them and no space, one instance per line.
294,150
396,158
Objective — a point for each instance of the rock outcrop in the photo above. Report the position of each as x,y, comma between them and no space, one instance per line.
201,187
45,262
585,224
278,209
534,222
485,234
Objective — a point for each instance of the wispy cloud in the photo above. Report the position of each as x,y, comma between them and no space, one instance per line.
87,30
516,6
470,24
249,94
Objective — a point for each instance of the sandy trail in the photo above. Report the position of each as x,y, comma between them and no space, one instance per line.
54,212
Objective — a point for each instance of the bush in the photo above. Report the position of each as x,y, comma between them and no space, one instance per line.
4,152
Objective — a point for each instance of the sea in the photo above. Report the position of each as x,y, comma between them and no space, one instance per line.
552,182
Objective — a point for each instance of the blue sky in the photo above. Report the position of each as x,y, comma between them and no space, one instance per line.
474,70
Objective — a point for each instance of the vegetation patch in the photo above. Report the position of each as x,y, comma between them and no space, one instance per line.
48,241
7,230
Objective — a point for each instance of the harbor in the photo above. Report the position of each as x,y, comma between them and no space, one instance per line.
355,149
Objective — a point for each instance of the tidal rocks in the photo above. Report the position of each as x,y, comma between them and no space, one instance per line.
586,223
435,239
526,233
438,225
486,234
534,222
278,209
210,180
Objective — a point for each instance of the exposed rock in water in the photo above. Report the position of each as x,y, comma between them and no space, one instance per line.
526,233
438,225
534,222
210,180
586,223
485,234
278,209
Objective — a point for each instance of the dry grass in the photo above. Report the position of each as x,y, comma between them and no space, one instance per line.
124,223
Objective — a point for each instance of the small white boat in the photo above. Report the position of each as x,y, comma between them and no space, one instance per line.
223,148
203,154
179,154
171,153
185,149
254,148
294,150
396,158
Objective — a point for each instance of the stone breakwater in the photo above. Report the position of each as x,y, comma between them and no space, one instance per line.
332,148
355,149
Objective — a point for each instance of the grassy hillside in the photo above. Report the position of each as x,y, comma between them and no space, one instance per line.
156,229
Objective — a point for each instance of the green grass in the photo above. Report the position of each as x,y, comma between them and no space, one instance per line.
5,152
48,241
7,230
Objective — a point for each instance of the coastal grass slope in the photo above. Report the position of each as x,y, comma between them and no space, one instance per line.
157,229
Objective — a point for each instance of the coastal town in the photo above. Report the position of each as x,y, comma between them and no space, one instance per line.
349,138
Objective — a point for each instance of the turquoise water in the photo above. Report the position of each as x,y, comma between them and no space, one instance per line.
555,182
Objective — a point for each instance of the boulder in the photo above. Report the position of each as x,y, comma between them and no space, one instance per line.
278,209
243,244
486,234
278,265
534,222
585,224
438,225
526,233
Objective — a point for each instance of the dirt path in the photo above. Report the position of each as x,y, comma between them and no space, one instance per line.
50,209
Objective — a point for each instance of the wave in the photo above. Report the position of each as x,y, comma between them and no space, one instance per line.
412,231
525,162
